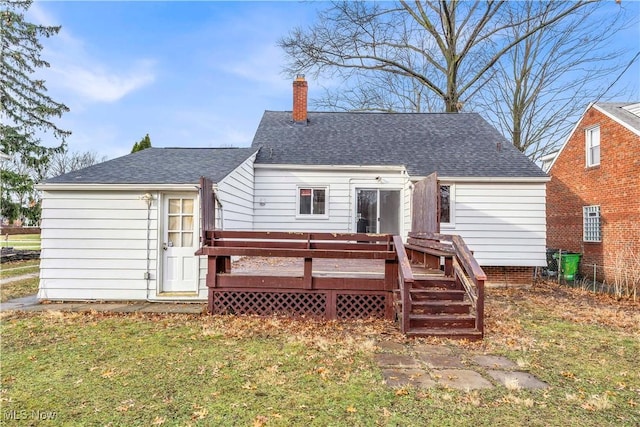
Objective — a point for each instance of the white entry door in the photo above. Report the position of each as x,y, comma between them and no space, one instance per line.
180,240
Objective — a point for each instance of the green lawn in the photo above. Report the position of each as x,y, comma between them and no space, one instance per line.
21,241
97,369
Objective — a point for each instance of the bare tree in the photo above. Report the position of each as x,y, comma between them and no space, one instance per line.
448,47
379,93
66,161
544,82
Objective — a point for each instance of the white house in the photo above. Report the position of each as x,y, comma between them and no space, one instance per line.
127,229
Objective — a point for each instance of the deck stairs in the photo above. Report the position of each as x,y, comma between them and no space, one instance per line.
445,301
438,309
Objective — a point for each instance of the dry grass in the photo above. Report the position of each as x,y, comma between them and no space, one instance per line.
19,289
151,369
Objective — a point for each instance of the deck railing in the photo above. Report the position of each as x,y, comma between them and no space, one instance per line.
459,263
405,282
355,292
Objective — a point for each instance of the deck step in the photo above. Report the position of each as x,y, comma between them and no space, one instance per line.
440,282
470,334
438,306
437,294
421,320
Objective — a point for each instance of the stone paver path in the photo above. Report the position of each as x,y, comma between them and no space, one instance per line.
427,366
517,379
461,379
400,377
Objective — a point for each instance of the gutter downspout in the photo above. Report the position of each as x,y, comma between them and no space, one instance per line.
148,197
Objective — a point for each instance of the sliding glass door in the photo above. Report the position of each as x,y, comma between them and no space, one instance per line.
377,211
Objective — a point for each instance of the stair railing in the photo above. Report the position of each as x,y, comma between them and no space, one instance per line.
405,282
466,270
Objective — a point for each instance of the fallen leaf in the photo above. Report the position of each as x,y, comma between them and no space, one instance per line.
108,373
260,421
402,392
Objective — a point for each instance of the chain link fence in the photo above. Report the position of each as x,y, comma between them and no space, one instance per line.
620,279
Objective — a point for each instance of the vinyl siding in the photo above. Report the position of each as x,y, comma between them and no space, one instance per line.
275,201
94,245
235,193
504,224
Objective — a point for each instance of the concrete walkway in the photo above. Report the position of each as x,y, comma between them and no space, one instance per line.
16,278
32,304
426,366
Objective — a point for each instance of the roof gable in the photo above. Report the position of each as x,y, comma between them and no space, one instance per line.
625,113
452,144
161,166
616,111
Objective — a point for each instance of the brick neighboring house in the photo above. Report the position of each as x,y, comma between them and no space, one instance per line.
593,198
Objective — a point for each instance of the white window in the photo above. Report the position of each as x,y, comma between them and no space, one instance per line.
592,137
591,224
312,201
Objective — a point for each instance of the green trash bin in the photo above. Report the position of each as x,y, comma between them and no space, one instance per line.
569,264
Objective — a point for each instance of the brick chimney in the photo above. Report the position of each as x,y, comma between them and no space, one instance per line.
300,99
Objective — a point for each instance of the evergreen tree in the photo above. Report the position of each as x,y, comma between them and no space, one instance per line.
142,144
26,111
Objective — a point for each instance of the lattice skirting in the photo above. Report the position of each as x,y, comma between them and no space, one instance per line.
323,304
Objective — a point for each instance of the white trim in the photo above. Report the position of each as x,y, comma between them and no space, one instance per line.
162,234
617,120
595,106
399,168
501,179
570,134
118,187
588,145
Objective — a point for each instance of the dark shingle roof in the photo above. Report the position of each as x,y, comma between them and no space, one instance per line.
161,166
455,145
617,110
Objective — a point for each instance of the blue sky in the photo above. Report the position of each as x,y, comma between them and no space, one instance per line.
191,74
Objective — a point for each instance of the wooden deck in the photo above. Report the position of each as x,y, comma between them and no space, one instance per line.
343,276
321,267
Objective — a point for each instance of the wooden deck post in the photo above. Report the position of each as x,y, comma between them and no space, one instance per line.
480,308
330,310
215,265
212,263
307,280
390,274
448,266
